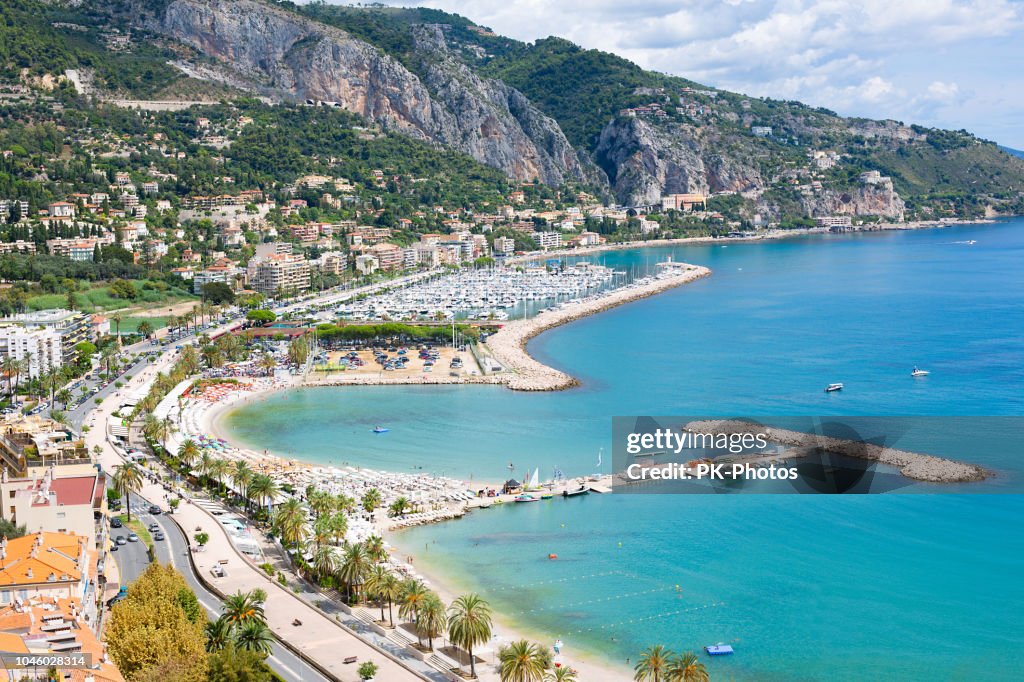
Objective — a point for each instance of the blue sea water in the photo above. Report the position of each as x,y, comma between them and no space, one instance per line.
895,587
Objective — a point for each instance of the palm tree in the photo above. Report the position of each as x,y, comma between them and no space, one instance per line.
218,470
653,664
117,319
65,396
431,619
242,607
127,480
375,548
145,329
290,522
254,636
399,507
263,488
218,634
325,561
374,584
188,452
562,674
11,368
241,476
686,668
267,363
354,565
371,500
411,594
521,661
469,624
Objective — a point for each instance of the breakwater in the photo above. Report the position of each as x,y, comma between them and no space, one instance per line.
914,465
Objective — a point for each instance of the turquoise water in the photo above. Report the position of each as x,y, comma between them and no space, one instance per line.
900,587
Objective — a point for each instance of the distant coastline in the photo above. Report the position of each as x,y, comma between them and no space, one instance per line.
768,235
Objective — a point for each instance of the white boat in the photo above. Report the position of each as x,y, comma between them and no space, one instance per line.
832,388
919,372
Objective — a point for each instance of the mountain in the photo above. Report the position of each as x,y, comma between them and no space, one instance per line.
547,111
1013,152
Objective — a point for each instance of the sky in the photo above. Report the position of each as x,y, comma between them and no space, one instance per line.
943,63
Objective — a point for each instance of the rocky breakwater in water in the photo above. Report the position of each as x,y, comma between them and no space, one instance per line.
913,465
523,373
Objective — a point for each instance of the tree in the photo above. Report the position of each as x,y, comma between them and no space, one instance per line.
188,452
686,668
412,594
367,670
431,619
371,500
325,561
241,476
254,636
399,507
298,351
150,629
234,664
243,607
290,522
201,538
469,624
145,329
562,674
355,563
127,480
123,289
218,292
263,489
261,316
521,661
653,664
267,363
64,396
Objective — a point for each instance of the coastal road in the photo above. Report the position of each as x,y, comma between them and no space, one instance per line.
174,551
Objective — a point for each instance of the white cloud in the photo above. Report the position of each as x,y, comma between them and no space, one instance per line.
864,57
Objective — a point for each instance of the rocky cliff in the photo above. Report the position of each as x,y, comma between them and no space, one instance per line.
645,160
283,54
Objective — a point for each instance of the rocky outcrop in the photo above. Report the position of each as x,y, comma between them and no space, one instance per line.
645,160
877,199
282,54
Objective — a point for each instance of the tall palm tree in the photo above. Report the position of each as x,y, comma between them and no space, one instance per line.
686,668
371,500
411,594
218,634
325,561
290,522
431,619
521,661
375,548
65,396
469,624
254,636
263,489
242,607
241,476
354,565
653,664
376,577
219,469
127,480
267,363
188,452
11,368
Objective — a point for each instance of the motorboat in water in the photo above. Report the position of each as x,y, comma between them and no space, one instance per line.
832,388
380,429
526,498
919,372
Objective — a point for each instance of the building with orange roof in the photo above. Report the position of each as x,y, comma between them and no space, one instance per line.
45,566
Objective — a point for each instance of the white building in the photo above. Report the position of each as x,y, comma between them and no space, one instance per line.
548,240
39,348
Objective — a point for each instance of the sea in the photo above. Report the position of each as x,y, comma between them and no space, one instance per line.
924,583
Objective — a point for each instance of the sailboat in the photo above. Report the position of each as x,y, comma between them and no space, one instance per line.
534,481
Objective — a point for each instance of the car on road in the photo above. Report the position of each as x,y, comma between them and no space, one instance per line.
116,523
158,536
121,540
132,537
154,527
121,594
113,547
153,509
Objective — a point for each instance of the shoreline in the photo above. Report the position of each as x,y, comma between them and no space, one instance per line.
768,235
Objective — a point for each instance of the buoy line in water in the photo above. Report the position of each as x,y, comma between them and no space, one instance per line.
562,580
642,619
595,601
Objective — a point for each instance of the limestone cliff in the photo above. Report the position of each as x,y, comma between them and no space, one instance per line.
284,55
645,160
